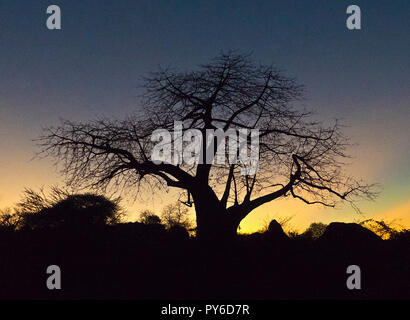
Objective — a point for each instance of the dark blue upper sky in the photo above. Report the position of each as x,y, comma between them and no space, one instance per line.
94,62
92,66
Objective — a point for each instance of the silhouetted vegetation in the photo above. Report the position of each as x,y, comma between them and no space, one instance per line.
382,228
176,215
146,260
298,156
314,231
148,217
36,210
102,257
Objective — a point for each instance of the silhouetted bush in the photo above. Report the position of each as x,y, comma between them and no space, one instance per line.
403,235
314,231
382,228
61,209
176,214
351,233
148,217
75,211
275,232
147,261
178,232
10,220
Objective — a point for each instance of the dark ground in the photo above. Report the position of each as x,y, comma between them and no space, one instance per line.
135,261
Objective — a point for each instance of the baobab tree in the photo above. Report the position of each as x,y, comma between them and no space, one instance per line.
298,156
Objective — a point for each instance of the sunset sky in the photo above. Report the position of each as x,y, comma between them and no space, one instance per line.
92,68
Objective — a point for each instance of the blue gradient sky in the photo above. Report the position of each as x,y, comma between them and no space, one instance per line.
92,68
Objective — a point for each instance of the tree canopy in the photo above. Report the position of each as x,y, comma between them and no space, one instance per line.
36,210
298,156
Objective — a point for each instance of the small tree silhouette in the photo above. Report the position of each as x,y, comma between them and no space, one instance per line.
384,229
61,209
176,214
10,219
315,230
148,217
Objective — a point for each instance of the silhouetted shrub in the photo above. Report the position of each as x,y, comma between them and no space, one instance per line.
10,220
177,232
348,235
61,209
148,217
403,235
382,228
314,231
275,232
147,261
176,214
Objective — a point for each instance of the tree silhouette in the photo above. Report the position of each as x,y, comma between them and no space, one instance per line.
10,220
148,217
315,230
62,209
298,156
176,214
384,229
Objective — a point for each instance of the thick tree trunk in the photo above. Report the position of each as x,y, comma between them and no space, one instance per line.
213,221
218,229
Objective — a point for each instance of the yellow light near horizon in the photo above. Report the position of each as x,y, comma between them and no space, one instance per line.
399,214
